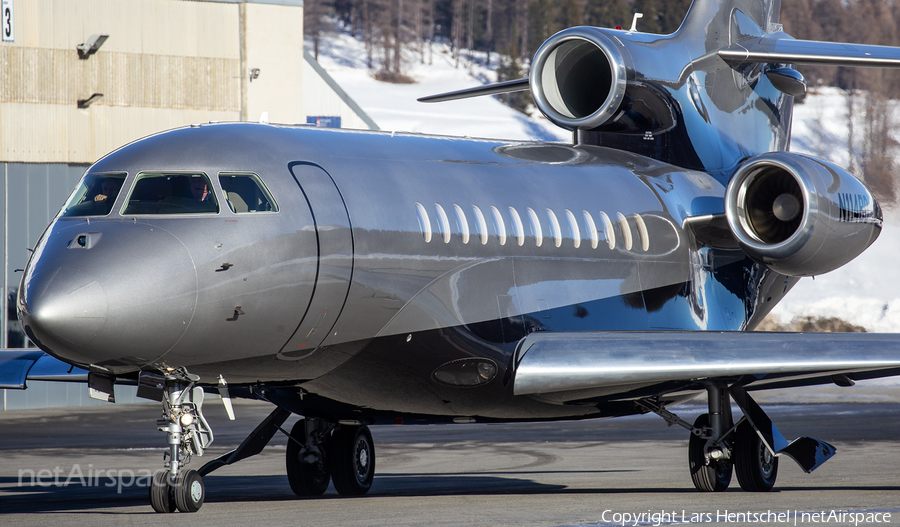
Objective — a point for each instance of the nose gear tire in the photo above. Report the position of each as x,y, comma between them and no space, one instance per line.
161,498
189,491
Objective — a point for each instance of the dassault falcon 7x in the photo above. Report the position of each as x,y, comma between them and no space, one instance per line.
355,278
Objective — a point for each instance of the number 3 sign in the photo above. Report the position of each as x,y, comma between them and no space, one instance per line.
6,13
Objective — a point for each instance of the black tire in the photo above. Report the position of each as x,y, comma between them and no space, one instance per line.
714,477
189,491
306,479
161,498
351,458
756,467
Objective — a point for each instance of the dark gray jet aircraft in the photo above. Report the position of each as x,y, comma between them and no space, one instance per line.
355,278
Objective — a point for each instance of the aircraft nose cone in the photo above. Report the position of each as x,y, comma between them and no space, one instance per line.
120,300
72,307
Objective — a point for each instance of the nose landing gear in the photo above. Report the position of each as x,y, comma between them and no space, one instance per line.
187,434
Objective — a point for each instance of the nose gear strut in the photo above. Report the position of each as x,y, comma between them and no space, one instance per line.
188,434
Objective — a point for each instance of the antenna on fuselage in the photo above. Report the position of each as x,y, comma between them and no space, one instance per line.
634,21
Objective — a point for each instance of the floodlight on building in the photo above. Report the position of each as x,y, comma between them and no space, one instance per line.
84,103
90,46
254,74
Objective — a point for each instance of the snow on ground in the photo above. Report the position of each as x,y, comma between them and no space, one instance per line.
865,292
394,107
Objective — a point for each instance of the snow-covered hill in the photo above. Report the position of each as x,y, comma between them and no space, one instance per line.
865,292
394,107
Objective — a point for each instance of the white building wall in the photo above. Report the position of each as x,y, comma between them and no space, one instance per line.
167,63
273,44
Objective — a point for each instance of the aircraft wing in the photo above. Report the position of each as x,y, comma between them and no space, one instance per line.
790,51
20,365
562,362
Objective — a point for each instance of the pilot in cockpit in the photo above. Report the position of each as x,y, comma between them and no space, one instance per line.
199,189
108,190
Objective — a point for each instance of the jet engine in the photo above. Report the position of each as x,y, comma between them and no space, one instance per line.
578,78
800,216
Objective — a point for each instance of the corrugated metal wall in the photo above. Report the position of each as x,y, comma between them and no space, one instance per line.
60,394
36,192
33,194
179,59
55,76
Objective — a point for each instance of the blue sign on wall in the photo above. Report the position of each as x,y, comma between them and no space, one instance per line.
328,121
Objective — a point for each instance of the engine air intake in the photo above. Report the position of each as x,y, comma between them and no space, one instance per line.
792,213
578,78
774,204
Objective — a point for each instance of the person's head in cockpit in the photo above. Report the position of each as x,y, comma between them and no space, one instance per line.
108,191
199,189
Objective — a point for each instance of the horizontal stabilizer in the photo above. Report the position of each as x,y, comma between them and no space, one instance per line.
487,89
556,362
790,51
20,365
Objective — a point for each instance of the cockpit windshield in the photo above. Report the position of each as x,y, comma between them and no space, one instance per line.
166,193
95,196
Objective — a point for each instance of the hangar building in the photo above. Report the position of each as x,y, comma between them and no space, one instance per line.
79,79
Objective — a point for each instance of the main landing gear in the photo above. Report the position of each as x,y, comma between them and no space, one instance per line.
718,447
318,451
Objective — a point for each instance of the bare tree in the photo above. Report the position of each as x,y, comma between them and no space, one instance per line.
313,22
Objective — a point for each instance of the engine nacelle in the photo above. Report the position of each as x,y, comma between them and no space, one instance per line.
800,216
578,78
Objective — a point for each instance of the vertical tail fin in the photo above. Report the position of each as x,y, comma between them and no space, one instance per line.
712,18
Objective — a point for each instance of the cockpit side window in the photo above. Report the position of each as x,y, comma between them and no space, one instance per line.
168,193
94,196
246,193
